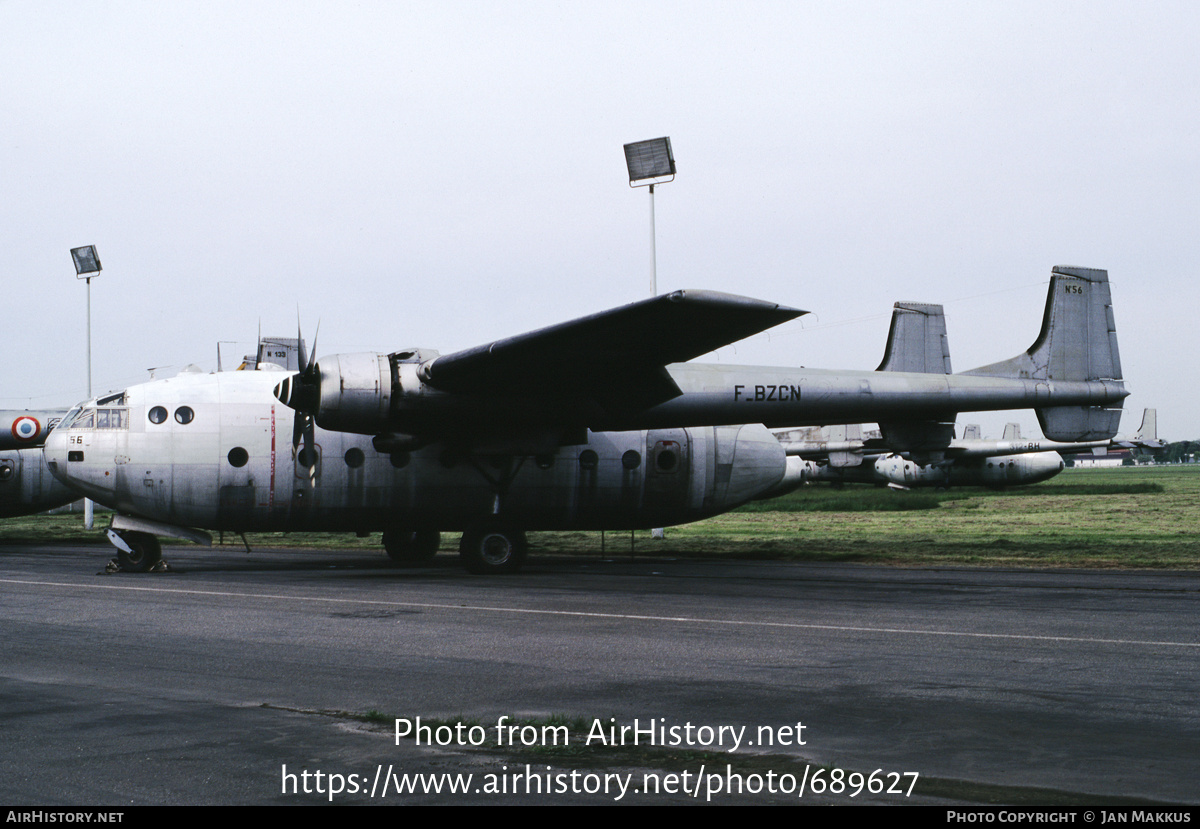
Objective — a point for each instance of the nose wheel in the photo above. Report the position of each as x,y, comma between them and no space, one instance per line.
136,552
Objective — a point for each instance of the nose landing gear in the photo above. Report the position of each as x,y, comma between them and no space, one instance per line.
136,552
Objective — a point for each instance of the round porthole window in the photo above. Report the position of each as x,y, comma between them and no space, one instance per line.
354,457
157,415
184,414
588,459
631,459
238,457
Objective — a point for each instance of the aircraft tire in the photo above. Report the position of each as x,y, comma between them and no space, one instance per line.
492,547
414,547
146,552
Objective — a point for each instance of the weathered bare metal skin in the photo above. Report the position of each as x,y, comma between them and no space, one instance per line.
182,474
26,485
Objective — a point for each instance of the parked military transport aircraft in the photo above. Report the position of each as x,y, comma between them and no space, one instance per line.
592,424
846,457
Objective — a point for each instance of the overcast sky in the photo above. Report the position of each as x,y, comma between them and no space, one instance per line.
443,174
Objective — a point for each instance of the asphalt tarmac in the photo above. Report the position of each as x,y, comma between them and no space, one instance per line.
212,683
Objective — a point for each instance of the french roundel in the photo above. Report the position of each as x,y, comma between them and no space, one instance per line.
26,428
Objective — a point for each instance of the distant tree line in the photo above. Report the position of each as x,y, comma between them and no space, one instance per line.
1177,451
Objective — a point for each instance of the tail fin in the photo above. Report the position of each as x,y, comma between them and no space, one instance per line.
917,340
1012,431
972,432
1077,343
1148,431
845,433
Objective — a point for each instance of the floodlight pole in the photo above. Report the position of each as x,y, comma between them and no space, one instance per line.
87,265
653,249
650,162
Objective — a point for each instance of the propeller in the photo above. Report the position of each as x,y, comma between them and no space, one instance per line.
302,392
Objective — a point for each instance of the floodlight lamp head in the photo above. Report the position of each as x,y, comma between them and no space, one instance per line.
650,162
87,262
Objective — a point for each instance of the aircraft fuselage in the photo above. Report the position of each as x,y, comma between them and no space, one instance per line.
216,451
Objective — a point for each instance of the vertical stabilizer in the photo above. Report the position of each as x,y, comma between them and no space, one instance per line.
917,340
1148,431
972,432
1012,431
1077,343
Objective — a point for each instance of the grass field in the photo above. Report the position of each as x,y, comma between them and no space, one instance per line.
1132,517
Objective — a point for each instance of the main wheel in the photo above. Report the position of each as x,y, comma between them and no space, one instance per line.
492,547
411,547
145,552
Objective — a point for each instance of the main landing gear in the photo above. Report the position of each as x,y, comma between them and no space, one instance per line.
412,548
493,546
489,546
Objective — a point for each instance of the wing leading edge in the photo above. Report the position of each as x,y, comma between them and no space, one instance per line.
626,347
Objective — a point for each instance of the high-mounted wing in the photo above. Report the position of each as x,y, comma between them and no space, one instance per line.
628,346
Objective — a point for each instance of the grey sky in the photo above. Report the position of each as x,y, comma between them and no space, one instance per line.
444,174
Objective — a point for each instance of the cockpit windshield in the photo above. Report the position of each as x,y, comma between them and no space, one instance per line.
89,417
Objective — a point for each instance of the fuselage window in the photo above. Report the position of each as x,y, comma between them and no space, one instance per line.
354,457
631,459
158,414
184,414
588,459
238,457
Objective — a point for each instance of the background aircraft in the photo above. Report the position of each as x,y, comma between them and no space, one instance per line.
591,424
26,485
26,428
842,454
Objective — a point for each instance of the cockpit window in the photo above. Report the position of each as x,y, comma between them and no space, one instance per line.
106,418
117,399
70,417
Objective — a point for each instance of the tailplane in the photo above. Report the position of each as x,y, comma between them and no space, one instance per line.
1077,343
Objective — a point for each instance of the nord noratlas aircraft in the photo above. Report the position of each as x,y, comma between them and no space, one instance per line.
597,423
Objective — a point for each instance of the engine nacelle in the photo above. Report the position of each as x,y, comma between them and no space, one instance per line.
355,392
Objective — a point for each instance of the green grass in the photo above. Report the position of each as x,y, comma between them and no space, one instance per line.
1129,517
